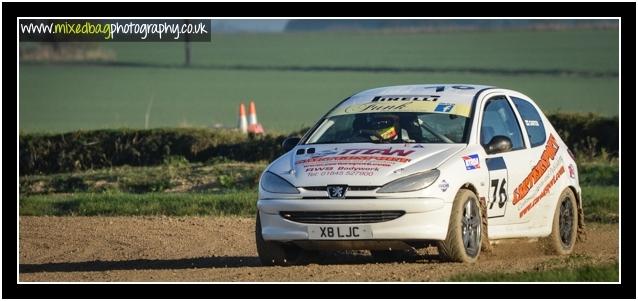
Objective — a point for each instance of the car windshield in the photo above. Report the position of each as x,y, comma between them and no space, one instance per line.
395,127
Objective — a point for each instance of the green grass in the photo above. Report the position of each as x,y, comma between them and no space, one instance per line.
598,173
598,178
173,176
587,273
63,98
242,203
600,203
66,193
516,49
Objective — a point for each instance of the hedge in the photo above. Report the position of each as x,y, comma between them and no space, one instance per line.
588,134
81,150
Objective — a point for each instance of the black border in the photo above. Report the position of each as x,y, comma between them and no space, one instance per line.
627,289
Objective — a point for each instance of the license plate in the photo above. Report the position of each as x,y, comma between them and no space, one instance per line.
345,232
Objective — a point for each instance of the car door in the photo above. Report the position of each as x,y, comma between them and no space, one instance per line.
542,165
499,119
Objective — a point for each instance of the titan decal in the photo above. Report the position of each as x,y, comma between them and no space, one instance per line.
353,161
375,151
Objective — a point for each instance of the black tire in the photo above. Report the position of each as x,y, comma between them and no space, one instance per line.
274,253
464,234
564,233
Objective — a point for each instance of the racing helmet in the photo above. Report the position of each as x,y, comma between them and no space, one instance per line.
384,127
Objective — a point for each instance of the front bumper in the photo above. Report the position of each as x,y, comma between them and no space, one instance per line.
424,218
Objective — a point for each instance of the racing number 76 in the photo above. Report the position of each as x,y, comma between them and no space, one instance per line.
502,193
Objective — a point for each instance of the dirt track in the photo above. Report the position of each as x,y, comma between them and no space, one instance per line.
223,249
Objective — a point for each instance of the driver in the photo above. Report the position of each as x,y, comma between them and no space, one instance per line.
381,128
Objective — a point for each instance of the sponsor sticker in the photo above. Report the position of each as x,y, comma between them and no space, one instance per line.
406,98
537,172
404,106
444,107
538,188
353,161
532,123
471,162
543,193
444,185
572,171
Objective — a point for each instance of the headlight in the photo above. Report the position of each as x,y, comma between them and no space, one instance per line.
275,184
412,182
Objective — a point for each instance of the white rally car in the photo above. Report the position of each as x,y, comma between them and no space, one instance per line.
399,167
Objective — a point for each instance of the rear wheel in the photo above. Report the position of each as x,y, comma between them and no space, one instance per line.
274,253
565,225
463,241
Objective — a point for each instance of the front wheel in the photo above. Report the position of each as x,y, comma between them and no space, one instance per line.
463,241
273,253
565,225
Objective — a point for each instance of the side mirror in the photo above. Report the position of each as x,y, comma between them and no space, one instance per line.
499,144
290,143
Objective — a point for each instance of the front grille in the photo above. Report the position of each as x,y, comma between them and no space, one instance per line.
350,188
341,217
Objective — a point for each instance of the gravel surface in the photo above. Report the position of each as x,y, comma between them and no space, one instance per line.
223,249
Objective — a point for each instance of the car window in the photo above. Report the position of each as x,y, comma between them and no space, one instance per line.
451,126
499,120
532,121
391,127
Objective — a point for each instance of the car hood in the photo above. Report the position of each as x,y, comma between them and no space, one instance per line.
359,164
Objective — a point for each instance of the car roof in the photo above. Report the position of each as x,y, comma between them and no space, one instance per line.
455,94
450,93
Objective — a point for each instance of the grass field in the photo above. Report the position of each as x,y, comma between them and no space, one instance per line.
225,188
237,203
600,204
88,97
605,272
510,50
58,98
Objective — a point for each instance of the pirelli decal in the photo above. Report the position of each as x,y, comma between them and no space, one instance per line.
406,98
548,155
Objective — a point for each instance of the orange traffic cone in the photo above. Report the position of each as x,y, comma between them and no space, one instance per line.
252,114
253,125
243,124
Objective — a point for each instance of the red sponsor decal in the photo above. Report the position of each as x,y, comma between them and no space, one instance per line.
543,193
572,171
551,148
376,151
356,158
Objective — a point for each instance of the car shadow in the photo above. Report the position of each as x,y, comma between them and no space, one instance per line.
362,257
326,258
143,264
